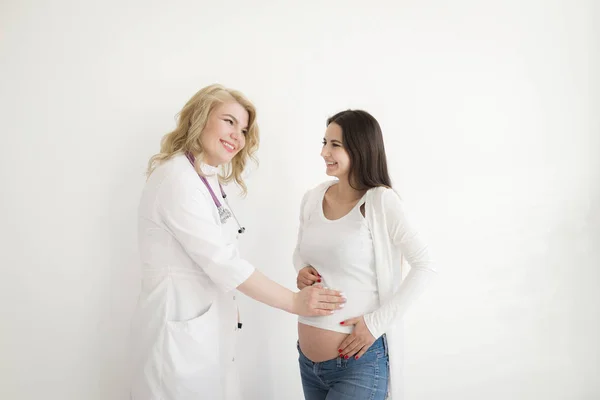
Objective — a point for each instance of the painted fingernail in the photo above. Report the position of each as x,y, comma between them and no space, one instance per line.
356,357
346,357
319,281
342,323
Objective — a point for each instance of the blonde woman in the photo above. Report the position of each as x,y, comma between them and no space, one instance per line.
186,320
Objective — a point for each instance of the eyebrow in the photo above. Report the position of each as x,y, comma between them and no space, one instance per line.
234,119
333,140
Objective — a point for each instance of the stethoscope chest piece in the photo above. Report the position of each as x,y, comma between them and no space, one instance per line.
224,214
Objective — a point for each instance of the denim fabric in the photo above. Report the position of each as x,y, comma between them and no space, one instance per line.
340,379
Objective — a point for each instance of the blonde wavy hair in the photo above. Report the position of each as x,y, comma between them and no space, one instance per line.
191,122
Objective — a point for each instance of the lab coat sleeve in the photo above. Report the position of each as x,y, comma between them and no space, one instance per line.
298,262
186,211
405,236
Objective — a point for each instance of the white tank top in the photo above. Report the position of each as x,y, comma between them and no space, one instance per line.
342,252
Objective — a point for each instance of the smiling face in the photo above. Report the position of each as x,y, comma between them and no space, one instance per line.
225,133
335,155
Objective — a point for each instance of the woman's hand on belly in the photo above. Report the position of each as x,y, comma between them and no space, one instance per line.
307,277
359,341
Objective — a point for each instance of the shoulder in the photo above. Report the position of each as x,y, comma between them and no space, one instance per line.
384,193
176,178
318,190
178,164
384,199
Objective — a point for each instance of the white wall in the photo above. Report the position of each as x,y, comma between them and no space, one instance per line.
490,115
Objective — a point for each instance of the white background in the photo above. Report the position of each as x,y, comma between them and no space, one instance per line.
490,116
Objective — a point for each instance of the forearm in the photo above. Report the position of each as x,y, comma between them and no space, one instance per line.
411,289
262,289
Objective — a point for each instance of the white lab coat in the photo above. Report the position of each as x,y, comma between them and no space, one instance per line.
184,328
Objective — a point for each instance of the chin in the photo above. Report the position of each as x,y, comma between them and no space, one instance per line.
227,159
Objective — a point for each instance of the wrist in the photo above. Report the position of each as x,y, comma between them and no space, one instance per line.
291,304
372,325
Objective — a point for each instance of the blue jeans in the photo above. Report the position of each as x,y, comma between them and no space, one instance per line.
340,379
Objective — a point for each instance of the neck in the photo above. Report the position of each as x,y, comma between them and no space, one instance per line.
205,159
208,161
203,165
346,192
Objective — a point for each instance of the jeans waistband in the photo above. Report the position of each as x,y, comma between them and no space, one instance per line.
380,343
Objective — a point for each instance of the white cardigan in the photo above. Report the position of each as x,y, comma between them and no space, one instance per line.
394,238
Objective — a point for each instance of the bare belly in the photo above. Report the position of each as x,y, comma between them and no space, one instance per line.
319,344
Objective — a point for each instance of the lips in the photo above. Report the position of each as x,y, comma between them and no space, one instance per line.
228,146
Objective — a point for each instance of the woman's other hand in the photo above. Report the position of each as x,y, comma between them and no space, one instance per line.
307,277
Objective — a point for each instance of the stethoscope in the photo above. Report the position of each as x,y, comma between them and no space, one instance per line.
224,213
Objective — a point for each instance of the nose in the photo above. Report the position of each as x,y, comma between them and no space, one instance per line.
235,134
325,152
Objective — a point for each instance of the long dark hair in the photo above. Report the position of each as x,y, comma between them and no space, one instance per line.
363,140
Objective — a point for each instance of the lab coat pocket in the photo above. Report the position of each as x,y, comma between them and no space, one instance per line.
191,362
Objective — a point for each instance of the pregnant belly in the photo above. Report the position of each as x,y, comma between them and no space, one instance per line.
319,344
320,337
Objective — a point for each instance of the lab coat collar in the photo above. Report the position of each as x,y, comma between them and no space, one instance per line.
208,170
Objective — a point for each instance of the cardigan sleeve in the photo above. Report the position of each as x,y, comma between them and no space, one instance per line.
405,236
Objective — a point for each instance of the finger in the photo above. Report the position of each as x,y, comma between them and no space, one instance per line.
330,292
332,305
332,299
313,271
310,272
361,352
306,282
328,306
358,346
346,344
354,346
308,278
350,322
315,304
319,312
320,302
311,278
